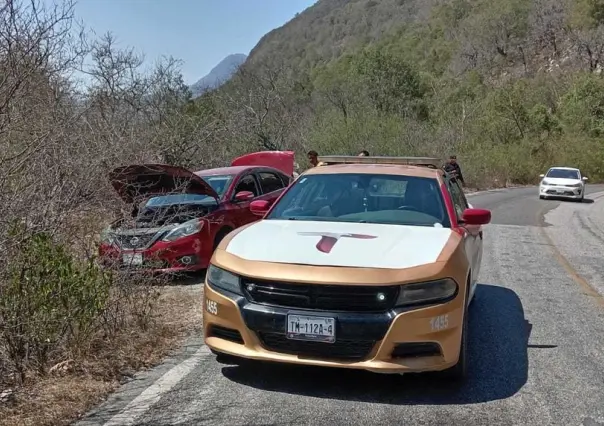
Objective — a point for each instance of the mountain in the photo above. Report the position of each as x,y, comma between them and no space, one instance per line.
479,32
509,86
219,74
329,28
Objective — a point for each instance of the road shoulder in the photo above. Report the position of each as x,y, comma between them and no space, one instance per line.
577,232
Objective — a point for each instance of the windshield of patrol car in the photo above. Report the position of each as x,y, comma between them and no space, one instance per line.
364,198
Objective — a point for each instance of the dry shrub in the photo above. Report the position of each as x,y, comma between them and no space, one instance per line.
73,385
60,135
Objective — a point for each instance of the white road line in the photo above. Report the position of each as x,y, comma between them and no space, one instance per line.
141,404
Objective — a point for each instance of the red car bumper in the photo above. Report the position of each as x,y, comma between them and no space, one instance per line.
183,255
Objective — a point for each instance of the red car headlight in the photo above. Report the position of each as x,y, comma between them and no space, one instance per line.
184,230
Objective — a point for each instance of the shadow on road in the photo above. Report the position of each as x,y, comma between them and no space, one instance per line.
498,358
584,201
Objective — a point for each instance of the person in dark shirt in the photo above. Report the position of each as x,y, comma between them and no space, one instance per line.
453,168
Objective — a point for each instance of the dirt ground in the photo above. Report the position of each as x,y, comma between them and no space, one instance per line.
74,387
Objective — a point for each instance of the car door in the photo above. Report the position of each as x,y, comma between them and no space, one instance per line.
472,234
271,184
477,232
246,182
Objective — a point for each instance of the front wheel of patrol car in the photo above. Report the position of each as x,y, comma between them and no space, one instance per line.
459,371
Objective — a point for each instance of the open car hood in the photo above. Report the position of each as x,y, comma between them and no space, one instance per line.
280,160
134,181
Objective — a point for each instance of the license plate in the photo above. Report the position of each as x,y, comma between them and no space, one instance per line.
315,329
132,259
559,191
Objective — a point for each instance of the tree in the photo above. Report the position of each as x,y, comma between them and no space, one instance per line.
495,34
58,139
547,20
587,32
390,83
336,84
263,108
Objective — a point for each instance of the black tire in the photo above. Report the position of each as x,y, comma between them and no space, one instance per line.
221,234
459,372
541,197
471,301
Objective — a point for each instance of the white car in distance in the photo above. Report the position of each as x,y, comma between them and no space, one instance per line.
563,182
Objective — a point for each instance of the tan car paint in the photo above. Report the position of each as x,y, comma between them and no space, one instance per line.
412,326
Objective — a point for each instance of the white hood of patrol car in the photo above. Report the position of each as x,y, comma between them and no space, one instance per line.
339,244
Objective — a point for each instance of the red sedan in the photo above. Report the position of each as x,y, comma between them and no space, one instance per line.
179,216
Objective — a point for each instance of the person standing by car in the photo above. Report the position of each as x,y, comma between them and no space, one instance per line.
313,159
453,168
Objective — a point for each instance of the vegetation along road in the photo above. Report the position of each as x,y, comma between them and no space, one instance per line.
512,87
536,346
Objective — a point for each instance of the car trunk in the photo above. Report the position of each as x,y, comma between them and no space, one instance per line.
280,160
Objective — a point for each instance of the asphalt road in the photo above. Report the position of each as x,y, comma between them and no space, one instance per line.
537,346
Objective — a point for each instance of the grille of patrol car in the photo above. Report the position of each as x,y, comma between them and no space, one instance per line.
345,298
343,349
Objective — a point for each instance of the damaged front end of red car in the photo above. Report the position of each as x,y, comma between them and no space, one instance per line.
166,230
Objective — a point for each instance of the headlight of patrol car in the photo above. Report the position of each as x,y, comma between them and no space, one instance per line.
429,292
184,230
224,279
544,182
575,185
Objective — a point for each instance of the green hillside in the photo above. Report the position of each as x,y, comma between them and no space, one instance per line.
512,87
329,28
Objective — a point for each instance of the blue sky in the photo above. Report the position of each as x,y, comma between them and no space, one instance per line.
201,33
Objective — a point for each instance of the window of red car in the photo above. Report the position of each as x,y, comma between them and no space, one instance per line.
270,182
219,183
247,183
